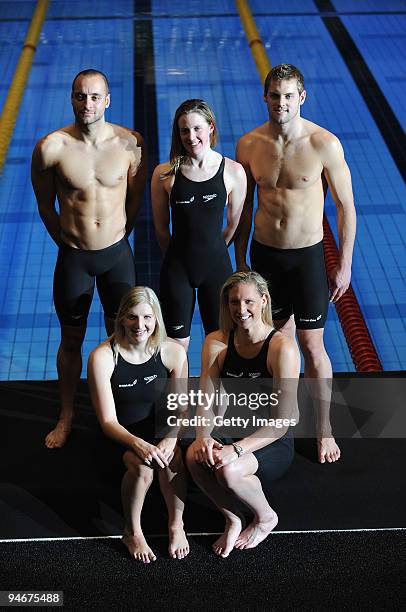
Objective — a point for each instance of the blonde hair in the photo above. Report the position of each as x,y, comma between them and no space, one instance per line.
246,278
133,297
178,152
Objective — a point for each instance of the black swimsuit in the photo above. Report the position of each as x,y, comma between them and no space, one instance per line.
297,281
197,256
74,280
136,390
275,458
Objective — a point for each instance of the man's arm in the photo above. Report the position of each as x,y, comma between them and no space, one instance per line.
236,197
136,179
339,181
242,234
43,182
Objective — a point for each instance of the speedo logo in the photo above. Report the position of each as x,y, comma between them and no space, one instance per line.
210,196
254,374
149,379
176,327
235,375
185,201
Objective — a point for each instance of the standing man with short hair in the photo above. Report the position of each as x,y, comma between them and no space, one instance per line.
97,171
287,158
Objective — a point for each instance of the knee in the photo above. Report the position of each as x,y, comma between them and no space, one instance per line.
312,348
228,476
72,342
136,469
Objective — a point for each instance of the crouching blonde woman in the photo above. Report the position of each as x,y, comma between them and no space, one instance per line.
127,375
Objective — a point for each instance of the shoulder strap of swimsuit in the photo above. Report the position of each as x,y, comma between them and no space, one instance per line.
265,346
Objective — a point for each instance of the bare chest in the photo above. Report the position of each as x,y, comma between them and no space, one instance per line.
290,167
80,168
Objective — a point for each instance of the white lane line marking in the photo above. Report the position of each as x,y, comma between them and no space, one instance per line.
210,533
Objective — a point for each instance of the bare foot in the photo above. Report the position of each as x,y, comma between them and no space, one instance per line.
225,544
138,547
58,436
256,532
178,544
327,450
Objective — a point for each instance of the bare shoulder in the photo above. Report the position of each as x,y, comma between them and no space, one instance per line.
161,169
172,353
50,147
233,168
215,342
284,356
251,138
322,140
102,356
131,138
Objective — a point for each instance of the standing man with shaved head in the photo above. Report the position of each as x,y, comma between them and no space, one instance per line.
97,172
287,158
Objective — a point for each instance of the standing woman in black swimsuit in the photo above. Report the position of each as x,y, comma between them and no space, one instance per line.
195,185
231,471
127,375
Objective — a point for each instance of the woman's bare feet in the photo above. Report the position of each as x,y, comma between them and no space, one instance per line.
327,450
178,544
138,547
225,543
256,532
58,436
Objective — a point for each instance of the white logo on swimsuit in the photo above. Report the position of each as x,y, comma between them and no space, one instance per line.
185,201
234,375
129,384
210,196
311,320
176,327
254,374
149,379
276,310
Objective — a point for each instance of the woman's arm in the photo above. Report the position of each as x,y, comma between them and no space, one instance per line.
160,205
236,184
204,444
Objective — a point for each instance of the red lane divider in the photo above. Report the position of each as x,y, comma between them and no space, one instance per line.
352,321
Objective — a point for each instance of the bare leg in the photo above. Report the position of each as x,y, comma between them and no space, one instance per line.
239,477
172,481
318,375
69,365
225,502
134,487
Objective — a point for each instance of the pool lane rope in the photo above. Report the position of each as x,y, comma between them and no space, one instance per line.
16,91
359,341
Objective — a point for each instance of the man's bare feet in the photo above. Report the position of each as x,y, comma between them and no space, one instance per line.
225,543
178,544
138,547
58,436
256,532
327,450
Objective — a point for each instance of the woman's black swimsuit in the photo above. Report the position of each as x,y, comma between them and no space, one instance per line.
136,390
197,256
275,458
